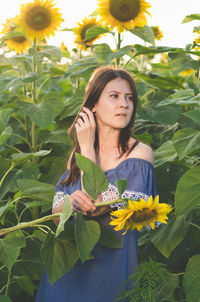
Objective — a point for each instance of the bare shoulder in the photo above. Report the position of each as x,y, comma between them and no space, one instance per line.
142,151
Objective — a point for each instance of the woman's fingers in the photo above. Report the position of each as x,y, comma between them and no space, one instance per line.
90,116
81,202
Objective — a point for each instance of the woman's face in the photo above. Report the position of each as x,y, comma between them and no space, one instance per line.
115,105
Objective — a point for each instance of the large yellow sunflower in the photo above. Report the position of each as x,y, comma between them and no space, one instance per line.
39,19
19,43
80,32
158,35
139,214
123,14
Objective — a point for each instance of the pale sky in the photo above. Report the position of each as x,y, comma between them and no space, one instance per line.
168,15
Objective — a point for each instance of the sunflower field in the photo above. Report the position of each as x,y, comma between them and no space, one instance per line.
41,91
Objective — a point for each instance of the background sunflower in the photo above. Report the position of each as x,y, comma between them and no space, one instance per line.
158,35
81,30
17,43
39,19
123,14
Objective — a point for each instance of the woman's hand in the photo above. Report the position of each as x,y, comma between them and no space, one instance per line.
85,128
80,201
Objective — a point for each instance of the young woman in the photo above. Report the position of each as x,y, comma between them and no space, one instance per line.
102,132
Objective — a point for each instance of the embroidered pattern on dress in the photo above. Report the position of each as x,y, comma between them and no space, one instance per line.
58,198
112,193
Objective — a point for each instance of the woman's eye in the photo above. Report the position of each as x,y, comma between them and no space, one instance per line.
114,96
130,98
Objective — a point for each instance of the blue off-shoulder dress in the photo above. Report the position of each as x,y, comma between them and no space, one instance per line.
99,279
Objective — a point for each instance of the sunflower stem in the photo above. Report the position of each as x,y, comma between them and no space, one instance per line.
34,127
8,282
22,138
33,223
26,116
195,225
10,169
118,47
105,203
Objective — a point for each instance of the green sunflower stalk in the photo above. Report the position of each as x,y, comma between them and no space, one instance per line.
139,214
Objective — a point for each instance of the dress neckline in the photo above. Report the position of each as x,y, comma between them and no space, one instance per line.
130,159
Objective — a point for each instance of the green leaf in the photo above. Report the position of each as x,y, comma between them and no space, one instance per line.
69,232
72,106
5,135
165,153
121,185
4,166
36,189
82,68
87,234
162,82
191,279
5,115
94,179
19,158
191,17
65,215
57,137
10,247
193,115
145,33
120,53
186,141
175,98
187,196
110,238
66,86
30,262
51,52
151,50
95,31
35,203
8,81
46,111
168,236
9,183
4,299
26,284
181,62
11,34
59,257
30,170
4,209
103,53
30,77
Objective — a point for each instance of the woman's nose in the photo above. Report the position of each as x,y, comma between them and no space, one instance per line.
123,101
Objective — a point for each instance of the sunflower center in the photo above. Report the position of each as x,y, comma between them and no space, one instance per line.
19,39
83,32
38,18
124,10
143,215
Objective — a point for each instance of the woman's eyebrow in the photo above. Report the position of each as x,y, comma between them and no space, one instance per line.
115,91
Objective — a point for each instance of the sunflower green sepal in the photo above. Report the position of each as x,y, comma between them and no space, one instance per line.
137,214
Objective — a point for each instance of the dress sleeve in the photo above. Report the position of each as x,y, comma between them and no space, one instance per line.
140,178
60,190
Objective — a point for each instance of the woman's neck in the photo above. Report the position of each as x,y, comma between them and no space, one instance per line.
108,140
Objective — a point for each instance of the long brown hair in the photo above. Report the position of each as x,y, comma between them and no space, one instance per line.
99,79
